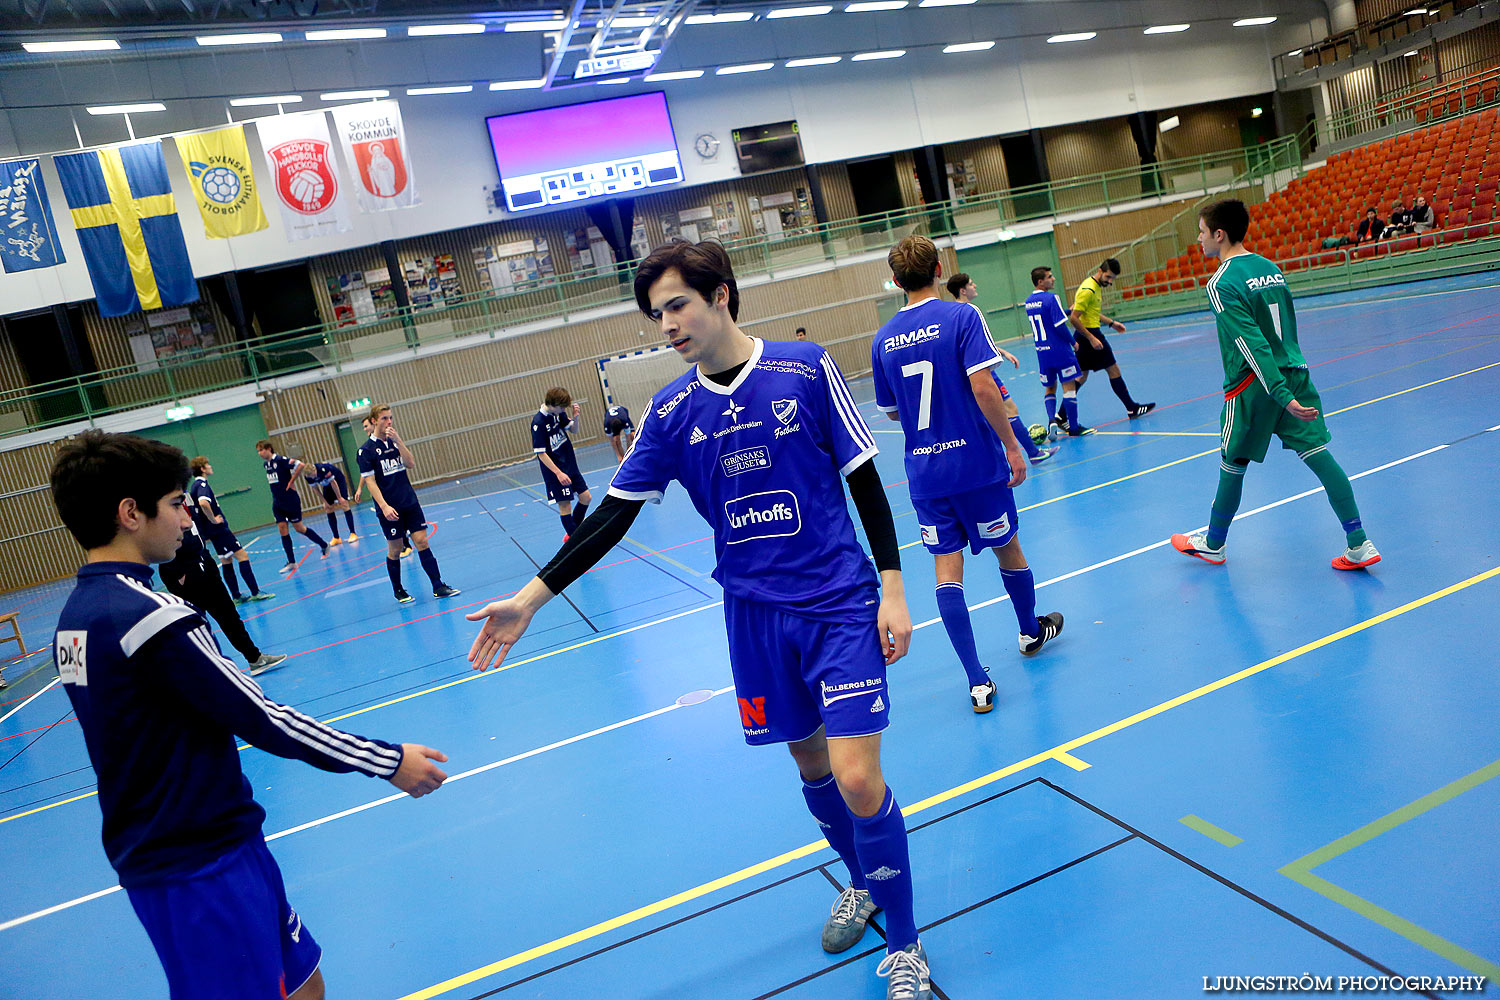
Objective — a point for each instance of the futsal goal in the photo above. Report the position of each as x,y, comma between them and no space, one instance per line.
630,380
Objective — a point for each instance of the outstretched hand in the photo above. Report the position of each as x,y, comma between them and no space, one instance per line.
504,624
417,775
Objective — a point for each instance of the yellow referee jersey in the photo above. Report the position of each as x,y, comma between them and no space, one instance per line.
1088,302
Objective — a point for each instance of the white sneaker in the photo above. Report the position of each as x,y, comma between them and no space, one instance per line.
1196,545
1358,558
287,568
982,697
908,974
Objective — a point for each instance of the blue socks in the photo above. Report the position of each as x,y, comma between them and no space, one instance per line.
826,803
880,842
1021,587
955,612
1070,408
1051,402
1024,437
429,566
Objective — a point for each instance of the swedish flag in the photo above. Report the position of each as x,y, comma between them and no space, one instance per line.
128,227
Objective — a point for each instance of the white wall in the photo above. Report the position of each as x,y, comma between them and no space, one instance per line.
845,110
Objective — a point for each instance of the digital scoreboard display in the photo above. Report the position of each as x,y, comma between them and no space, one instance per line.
600,149
768,147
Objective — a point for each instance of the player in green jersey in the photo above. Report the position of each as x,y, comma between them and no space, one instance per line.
1266,387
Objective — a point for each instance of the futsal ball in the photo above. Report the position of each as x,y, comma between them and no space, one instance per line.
1038,433
221,185
307,187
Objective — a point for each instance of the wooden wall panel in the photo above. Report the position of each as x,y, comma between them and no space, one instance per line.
1089,148
1207,128
989,162
1473,50
906,178
1082,245
838,193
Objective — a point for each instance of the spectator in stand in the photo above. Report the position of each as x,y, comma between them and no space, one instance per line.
1370,229
1400,224
801,333
1422,216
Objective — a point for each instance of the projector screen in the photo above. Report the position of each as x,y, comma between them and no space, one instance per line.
567,154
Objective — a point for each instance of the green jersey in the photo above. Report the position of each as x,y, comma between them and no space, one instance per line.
1257,325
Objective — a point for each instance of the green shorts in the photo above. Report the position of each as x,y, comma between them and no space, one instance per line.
1251,417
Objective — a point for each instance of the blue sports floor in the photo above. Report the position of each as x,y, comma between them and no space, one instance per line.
1263,769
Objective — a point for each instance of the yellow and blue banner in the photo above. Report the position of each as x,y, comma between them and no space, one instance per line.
28,238
218,164
126,217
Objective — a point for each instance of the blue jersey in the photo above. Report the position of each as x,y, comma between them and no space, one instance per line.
761,459
1050,329
549,436
380,461
617,414
280,471
326,474
200,490
160,708
922,360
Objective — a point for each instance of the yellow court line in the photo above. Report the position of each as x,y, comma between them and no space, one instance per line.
1065,749
1414,388
1071,761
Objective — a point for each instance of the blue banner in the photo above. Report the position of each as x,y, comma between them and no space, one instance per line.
28,238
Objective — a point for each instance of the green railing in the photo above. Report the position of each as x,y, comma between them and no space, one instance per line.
1404,103
186,374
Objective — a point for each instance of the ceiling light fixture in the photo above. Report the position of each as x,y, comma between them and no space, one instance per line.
743,68
864,6
517,84
967,47
812,11
256,102
445,29
1168,124
613,81
725,18
1251,22
681,74
1409,54
884,54
89,45
1077,36
353,95
813,61
557,24
463,88
125,109
342,34
1166,29
1257,112
250,38
945,3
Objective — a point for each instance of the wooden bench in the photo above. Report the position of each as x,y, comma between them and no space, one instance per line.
15,627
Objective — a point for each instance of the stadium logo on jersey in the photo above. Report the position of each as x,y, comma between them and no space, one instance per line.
918,336
671,404
1260,281
929,534
772,514
747,460
72,658
850,689
998,528
697,437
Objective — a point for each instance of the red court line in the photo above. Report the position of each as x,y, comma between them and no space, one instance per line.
38,729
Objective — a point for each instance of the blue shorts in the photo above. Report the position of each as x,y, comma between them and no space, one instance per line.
287,508
557,492
1057,365
793,675
226,932
985,518
222,539
409,521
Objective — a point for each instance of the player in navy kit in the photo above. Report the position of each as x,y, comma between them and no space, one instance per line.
214,529
1055,359
932,365
963,288
359,485
286,503
330,479
554,452
763,436
383,463
617,425
161,711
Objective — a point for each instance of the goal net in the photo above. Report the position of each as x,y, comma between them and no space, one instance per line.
630,380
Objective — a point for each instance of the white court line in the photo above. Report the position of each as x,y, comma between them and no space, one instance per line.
28,701
349,590
17,921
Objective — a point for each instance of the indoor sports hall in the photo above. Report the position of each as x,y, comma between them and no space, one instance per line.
1260,776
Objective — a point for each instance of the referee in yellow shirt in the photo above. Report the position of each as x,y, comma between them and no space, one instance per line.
1093,350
